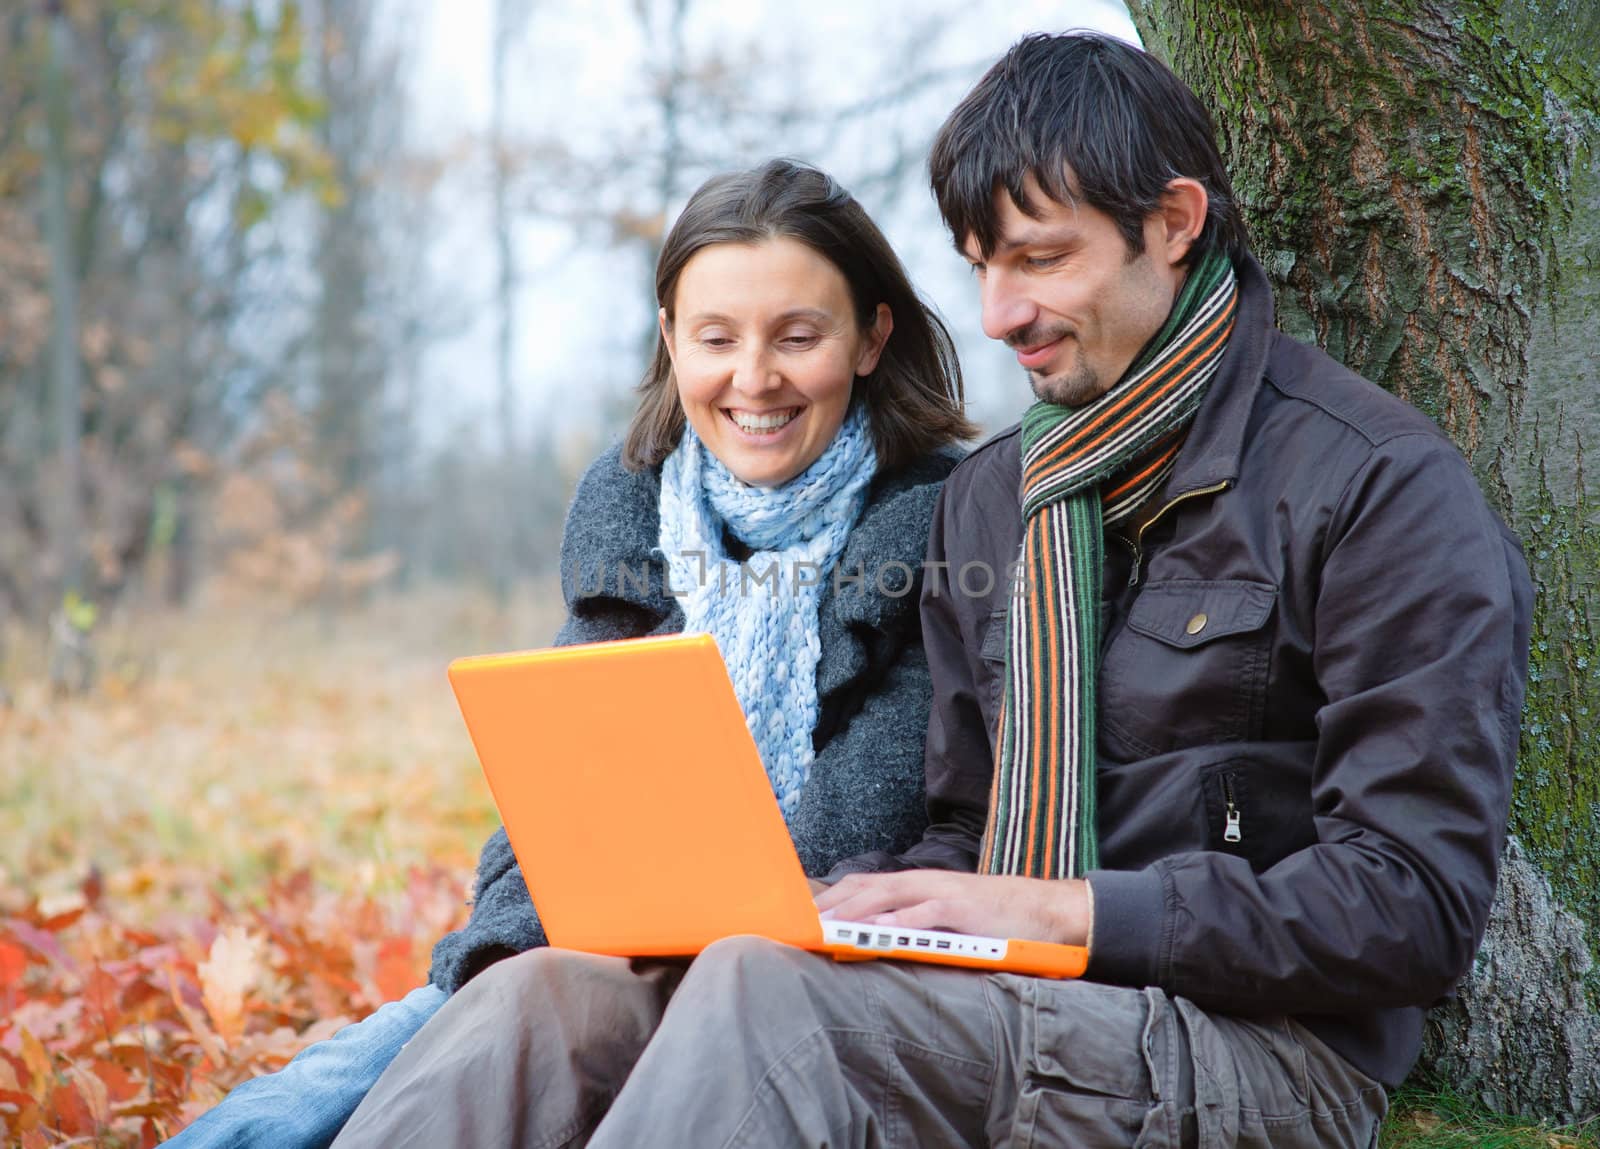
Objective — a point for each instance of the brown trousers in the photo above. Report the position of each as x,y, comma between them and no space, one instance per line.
756,1044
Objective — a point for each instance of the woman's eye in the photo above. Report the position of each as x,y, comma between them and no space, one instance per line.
798,341
716,342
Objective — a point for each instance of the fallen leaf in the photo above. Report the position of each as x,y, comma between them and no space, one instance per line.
395,975
96,1097
40,941
13,964
198,1029
37,1059
94,886
233,969
69,1111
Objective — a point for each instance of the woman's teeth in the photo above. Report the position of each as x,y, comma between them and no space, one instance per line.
763,424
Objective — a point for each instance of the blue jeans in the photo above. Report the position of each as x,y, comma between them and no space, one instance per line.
307,1102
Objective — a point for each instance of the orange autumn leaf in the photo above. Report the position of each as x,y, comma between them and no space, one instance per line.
121,1085
37,1059
396,974
199,1030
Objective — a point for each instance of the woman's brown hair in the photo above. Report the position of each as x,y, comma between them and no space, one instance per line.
913,396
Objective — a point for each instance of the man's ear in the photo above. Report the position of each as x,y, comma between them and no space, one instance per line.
1180,218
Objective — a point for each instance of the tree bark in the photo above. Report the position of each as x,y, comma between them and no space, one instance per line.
66,375
1409,172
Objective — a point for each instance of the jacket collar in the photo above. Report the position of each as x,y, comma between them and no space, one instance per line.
1211,453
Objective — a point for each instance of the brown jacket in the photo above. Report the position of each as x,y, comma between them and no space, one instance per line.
1321,638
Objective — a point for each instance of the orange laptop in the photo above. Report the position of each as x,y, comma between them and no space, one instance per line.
645,825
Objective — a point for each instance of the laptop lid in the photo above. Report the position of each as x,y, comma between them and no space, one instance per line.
634,796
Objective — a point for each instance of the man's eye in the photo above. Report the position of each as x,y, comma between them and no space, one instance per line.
1041,262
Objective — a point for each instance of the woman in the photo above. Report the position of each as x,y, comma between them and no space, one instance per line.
801,410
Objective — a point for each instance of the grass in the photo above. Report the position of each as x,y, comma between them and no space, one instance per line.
1441,1119
220,747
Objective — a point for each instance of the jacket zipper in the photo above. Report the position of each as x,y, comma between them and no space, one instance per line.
1231,831
1138,535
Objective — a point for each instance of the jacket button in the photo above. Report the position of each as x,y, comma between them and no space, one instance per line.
1197,623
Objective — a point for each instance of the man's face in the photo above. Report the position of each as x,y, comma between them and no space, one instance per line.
1062,292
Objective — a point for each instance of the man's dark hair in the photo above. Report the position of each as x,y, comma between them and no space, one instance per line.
914,395
1092,119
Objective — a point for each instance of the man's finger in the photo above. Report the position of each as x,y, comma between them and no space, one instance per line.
934,914
845,888
873,894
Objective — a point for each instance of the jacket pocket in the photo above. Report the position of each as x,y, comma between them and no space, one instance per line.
1258,811
1189,667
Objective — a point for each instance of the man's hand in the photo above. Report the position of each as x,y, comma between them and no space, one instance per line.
1025,908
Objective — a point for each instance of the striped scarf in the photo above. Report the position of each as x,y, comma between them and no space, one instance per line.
1083,469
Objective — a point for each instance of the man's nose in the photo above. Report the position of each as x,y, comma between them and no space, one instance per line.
1006,308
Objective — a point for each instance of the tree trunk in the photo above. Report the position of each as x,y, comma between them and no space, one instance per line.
1409,173
65,368
509,16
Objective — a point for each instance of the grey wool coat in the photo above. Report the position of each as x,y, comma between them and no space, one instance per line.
864,791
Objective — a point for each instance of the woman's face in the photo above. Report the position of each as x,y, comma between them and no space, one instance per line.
766,350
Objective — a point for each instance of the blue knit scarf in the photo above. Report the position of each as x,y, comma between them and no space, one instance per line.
765,619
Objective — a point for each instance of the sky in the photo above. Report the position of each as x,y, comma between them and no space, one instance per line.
575,67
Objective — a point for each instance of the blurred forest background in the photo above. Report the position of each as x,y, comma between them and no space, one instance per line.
311,313
356,299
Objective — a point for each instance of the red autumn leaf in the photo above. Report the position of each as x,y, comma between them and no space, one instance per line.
13,964
121,1085
67,1111
138,995
100,995
21,1101
64,920
145,1109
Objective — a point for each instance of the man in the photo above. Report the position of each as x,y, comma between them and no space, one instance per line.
1244,725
